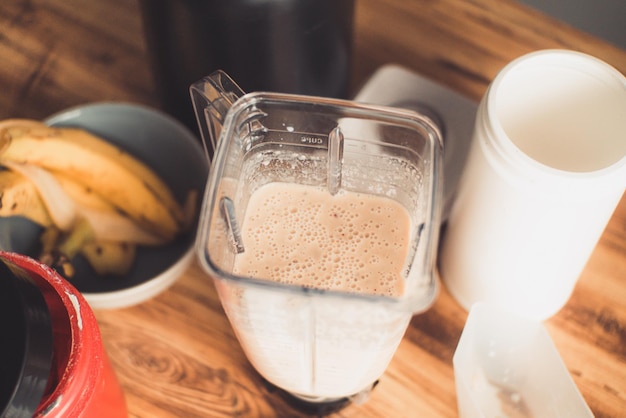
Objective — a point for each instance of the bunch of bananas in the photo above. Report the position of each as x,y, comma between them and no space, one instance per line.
89,196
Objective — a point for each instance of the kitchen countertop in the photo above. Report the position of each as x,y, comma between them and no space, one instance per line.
176,355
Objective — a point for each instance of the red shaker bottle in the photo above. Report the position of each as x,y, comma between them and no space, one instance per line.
61,368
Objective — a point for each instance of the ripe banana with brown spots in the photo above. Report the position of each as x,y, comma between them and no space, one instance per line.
91,197
124,181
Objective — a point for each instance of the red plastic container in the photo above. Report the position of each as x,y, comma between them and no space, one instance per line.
81,382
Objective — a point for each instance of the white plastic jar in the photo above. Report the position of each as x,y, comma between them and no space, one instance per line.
546,169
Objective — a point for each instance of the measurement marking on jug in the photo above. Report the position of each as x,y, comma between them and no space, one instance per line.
314,140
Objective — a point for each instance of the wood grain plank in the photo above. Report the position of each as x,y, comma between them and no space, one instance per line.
176,355
56,56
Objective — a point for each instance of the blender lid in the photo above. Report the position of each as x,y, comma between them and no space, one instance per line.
27,342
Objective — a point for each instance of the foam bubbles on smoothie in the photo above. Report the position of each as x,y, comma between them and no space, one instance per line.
302,235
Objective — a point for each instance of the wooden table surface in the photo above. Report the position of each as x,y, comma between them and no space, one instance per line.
176,355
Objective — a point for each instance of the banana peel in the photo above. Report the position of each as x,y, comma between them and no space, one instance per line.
107,258
129,184
108,223
61,179
19,197
58,204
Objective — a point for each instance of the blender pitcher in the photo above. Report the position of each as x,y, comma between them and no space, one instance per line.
317,341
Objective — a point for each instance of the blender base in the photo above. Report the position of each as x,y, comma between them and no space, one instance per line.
319,406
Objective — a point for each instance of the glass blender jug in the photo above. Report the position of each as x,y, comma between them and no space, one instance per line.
317,342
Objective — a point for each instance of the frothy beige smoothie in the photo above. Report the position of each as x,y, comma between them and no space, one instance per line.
303,235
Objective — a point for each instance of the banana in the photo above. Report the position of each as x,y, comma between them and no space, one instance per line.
130,186
23,124
109,258
89,224
49,239
68,202
107,223
19,197
59,205
66,247
105,257
91,197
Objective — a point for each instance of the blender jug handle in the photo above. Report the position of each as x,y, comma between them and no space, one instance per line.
212,97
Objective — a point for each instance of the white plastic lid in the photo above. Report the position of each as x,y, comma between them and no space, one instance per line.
508,366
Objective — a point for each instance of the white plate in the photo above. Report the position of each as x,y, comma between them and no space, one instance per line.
393,85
